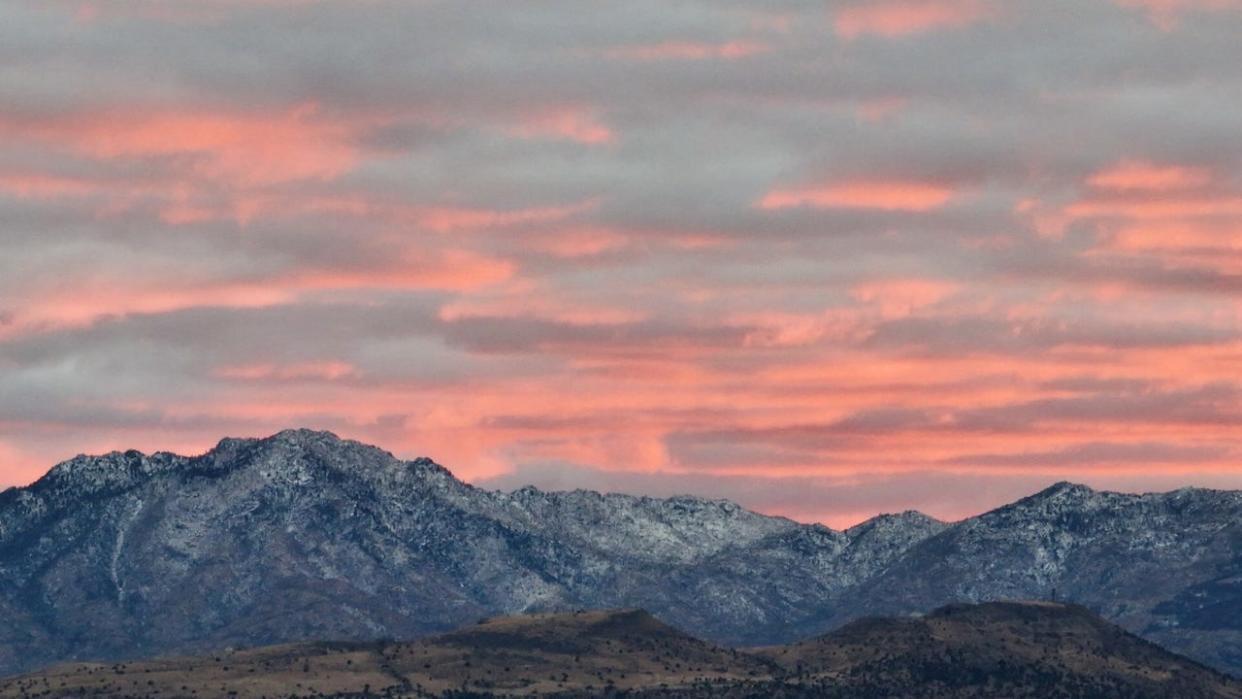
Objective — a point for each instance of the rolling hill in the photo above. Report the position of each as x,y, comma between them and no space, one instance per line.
1012,649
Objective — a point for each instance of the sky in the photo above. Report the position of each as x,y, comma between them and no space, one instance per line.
824,258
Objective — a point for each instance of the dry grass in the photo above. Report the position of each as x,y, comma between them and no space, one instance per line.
1011,649
530,655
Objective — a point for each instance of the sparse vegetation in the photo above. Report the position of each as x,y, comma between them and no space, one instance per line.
1007,649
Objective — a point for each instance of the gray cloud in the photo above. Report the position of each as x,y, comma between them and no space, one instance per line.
534,233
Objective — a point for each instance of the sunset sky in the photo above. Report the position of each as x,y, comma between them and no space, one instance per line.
822,258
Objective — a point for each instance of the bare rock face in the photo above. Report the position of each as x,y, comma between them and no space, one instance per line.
304,536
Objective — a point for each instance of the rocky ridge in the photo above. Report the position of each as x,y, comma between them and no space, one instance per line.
303,535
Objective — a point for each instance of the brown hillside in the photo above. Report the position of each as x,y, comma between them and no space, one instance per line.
587,652
1011,649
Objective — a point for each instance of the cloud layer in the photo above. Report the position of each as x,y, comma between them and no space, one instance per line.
824,258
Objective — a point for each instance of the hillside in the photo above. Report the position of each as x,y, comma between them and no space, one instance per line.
303,536
533,654
1009,649
998,649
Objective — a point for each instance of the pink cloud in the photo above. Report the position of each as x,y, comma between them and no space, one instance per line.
320,370
87,300
772,329
1142,175
878,194
1174,216
81,301
688,51
577,124
203,165
376,210
531,303
900,297
1177,237
520,288
416,268
447,219
1182,206
878,110
235,148
898,18
578,242
42,186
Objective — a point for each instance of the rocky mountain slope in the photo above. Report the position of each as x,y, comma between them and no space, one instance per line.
306,536
997,649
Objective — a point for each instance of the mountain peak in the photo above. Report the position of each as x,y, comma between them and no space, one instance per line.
892,523
300,437
1067,488
116,468
292,455
303,435
1063,491
288,446
303,455
906,517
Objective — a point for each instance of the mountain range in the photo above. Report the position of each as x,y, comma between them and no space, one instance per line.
996,649
305,536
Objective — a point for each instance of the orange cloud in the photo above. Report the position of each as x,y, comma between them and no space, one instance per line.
446,219
1144,176
783,329
579,242
448,270
569,123
202,165
688,51
86,300
373,210
673,334
1193,206
243,149
883,195
544,306
898,18
323,371
1173,216
901,297
41,186
762,423
1178,237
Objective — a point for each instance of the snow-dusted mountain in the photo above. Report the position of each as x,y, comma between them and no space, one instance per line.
306,536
